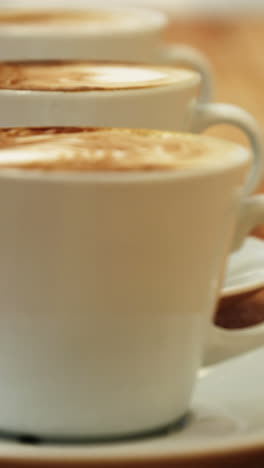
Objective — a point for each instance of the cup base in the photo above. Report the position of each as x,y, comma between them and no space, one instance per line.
32,439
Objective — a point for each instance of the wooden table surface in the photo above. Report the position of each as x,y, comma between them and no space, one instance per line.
235,49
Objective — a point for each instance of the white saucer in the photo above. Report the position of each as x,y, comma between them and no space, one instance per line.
245,269
226,425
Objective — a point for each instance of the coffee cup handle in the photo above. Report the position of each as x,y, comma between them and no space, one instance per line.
185,56
211,114
227,343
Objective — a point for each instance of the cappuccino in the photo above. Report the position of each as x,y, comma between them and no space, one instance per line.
57,20
88,76
90,258
93,149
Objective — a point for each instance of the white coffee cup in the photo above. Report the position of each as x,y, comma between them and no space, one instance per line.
175,105
142,42
108,283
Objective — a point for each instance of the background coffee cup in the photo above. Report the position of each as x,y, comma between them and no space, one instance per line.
140,43
105,315
172,106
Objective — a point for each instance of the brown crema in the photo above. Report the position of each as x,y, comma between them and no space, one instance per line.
61,17
88,76
95,149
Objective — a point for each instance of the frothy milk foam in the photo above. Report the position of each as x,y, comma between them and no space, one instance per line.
62,20
88,149
88,76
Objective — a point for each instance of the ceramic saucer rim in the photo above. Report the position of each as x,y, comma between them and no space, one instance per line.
229,291
253,285
246,444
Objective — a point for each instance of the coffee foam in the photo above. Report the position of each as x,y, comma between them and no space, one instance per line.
88,76
91,149
52,20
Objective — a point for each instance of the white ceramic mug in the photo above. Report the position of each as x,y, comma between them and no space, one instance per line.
108,284
141,43
173,106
